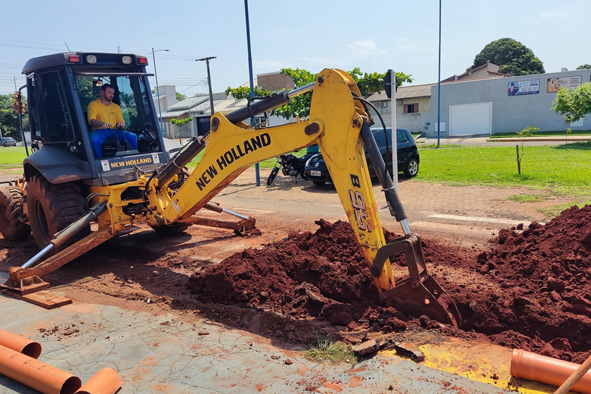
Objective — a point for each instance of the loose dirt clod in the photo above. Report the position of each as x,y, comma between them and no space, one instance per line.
530,290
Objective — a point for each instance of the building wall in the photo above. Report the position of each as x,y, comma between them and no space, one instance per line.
510,114
423,102
414,122
274,81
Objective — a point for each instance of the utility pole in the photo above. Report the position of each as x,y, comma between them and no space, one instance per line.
207,59
158,90
252,120
439,83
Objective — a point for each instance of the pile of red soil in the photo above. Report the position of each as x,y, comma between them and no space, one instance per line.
529,291
544,301
299,276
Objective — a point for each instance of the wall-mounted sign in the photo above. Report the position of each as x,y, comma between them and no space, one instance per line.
524,87
555,84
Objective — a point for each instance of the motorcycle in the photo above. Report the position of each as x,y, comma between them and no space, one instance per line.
290,166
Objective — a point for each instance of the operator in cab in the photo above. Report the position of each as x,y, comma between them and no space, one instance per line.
106,121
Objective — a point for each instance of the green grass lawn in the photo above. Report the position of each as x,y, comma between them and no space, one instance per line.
562,166
544,134
11,157
542,166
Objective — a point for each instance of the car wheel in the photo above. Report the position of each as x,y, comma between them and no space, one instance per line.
319,183
412,167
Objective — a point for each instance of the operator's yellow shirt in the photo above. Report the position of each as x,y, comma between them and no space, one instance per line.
108,114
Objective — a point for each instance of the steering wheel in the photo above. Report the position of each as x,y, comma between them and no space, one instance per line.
147,137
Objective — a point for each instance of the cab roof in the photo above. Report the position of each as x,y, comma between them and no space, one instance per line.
81,59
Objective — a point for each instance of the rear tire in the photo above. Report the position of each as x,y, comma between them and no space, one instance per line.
412,167
11,210
51,208
272,176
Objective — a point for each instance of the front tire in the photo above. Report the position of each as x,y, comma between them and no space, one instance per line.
319,183
412,168
272,176
51,208
11,211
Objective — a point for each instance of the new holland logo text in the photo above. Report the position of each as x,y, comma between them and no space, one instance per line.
232,155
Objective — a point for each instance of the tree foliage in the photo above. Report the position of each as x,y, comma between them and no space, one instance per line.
181,122
573,104
9,119
584,67
368,84
513,57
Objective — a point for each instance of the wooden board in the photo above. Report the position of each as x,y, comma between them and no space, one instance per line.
43,298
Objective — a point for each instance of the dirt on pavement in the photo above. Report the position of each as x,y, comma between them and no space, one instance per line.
522,289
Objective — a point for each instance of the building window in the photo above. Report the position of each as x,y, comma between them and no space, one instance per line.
411,108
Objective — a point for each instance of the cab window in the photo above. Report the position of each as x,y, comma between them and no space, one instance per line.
54,115
130,95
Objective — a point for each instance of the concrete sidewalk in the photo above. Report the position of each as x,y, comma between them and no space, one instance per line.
161,354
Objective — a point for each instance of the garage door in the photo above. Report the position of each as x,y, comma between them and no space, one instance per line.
470,119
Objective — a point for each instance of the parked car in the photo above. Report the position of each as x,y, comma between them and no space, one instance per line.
7,141
408,156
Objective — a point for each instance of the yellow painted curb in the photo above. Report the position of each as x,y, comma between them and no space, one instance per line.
484,363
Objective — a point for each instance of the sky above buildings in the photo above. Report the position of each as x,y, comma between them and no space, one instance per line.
312,35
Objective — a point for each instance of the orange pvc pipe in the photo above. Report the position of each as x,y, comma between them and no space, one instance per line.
20,344
105,381
549,370
36,374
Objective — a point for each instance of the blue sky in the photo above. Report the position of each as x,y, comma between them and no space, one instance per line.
373,35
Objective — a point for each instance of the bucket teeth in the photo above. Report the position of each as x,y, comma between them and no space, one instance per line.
419,294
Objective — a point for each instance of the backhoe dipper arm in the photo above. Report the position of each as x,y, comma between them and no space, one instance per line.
335,123
339,124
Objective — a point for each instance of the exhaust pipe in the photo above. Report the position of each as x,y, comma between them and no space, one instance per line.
36,374
20,344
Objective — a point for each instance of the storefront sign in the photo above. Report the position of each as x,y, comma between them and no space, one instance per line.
524,87
555,84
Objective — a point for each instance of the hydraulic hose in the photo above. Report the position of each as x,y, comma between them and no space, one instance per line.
385,180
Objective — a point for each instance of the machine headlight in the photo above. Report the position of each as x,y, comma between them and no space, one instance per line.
126,59
91,59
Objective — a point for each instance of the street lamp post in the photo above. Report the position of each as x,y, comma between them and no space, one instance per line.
207,59
158,90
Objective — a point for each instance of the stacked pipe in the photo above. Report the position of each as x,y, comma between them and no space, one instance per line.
18,361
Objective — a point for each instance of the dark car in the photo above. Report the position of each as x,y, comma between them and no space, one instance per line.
7,141
408,156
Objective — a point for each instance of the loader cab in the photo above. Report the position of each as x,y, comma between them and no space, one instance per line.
59,89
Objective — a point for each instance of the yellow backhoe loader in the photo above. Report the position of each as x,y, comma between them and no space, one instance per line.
123,194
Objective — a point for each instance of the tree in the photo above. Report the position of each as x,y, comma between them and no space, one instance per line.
180,97
513,57
584,67
525,133
9,119
300,105
573,104
180,123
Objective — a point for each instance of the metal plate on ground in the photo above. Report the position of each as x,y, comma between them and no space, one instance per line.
42,298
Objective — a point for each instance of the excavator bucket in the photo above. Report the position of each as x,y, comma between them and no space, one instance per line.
419,293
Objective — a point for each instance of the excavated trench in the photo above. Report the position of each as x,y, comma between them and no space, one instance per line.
530,290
